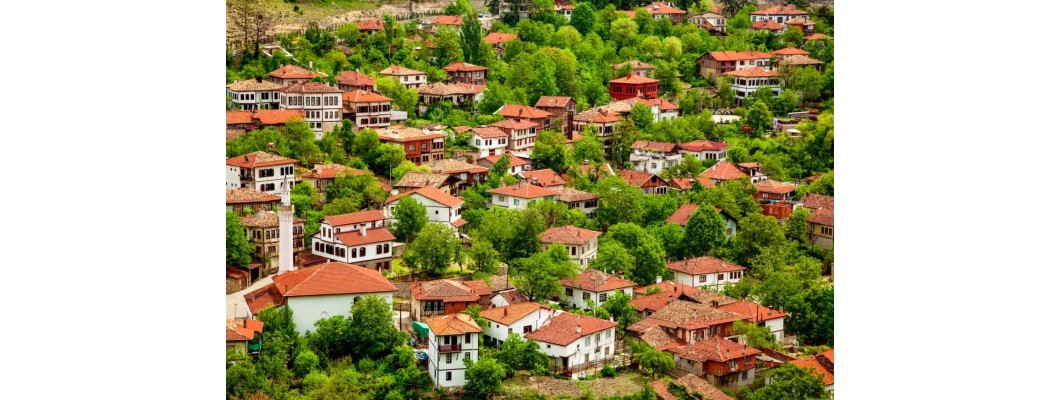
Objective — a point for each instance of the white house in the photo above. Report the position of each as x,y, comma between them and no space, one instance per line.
359,238
520,318
258,170
516,164
704,149
452,338
441,207
406,76
747,81
705,271
322,105
822,364
577,344
709,20
545,178
777,13
761,315
288,75
580,243
578,200
653,157
320,291
594,285
518,196
253,94
489,140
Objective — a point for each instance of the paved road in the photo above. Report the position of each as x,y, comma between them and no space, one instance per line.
236,305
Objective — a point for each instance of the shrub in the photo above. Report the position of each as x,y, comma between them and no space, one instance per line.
608,372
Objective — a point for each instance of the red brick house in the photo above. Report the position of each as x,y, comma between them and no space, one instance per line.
632,86
562,109
720,361
462,72
421,145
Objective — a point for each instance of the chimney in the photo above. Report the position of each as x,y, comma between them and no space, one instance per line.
505,311
311,65
364,230
258,78
245,158
658,279
272,146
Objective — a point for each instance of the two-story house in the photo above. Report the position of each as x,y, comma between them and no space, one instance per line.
631,86
637,67
709,272
581,243
320,291
594,285
760,315
604,120
498,39
467,173
259,170
489,140
462,72
747,81
723,171
420,145
691,322
545,178
446,296
520,195
804,25
562,109
323,175
648,304
519,112
822,365
653,157
716,63
767,25
360,238
684,212
370,26
409,77
516,164
519,318
349,81
771,190
452,339
777,13
710,21
239,122
649,183
521,9
366,109
441,207
254,94
661,10
753,171
413,180
704,149
576,345
288,75
263,233
246,200
821,222
446,21
578,200
720,361
461,95
521,133
322,105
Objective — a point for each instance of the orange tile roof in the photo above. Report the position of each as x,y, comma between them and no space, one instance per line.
569,234
449,290
680,217
362,96
489,132
498,37
703,265
331,171
654,146
636,178
447,89
822,216
354,218
235,272
701,145
830,355
431,193
817,36
716,349
692,315
754,72
723,171
815,366
564,329
355,78
545,177
277,117
259,159
594,280
458,66
779,10
513,124
512,159
814,201
452,324
521,111
332,278
738,55
238,117
448,20
552,101
693,384
597,115
681,183
311,87
755,312
263,297
370,25
453,166
509,314
401,133
662,8
767,24
664,286
789,51
570,195
633,80
524,191
776,187
355,238
253,85
294,72
399,70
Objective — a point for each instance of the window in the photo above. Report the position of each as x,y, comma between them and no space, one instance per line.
573,251
362,252
743,375
448,376
386,247
527,329
603,297
515,202
597,338
721,277
449,359
467,338
747,360
570,292
732,363
467,354
378,249
702,278
586,296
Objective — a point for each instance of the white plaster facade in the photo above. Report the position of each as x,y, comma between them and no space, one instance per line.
323,111
436,212
530,323
653,162
589,348
579,254
489,146
516,203
713,281
307,310
446,367
578,298
265,179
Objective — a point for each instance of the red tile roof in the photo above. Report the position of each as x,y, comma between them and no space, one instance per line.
775,187
448,20
238,117
815,365
263,297
633,80
767,24
685,211
521,111
452,324
524,191
636,178
489,132
779,10
448,89
662,8
817,36
354,218
362,96
370,25
498,37
294,72
277,117
509,314
693,384
703,265
259,159
789,51
654,146
564,329
716,349
430,193
512,160
702,145
449,290
594,280
332,278
814,201
568,235
513,124
754,72
311,87
545,177
458,66
355,238
822,216
235,272
355,78
755,312
552,101
739,55
723,171
331,171
399,70
570,195
681,183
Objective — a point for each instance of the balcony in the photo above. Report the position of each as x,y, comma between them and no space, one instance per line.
449,348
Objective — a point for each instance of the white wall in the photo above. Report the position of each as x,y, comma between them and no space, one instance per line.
436,212
498,331
577,350
438,366
231,177
776,326
276,179
307,310
710,280
578,299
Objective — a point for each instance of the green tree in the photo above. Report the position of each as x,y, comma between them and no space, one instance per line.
305,363
790,382
550,151
237,247
656,362
648,252
759,118
705,231
411,217
349,33
539,276
583,18
384,158
588,147
243,379
812,316
483,257
672,237
471,40
518,354
433,250
808,82
624,31
758,337
725,92
671,48
641,116
499,171
366,141
787,102
403,98
619,202
372,331
754,233
484,378
795,228
619,308
614,258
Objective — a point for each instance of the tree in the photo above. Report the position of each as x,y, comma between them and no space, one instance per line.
384,158
411,217
667,76
471,40
790,382
705,231
759,118
237,247
614,258
372,331
484,378
305,363
671,48
656,362
349,33
754,233
624,31
588,147
518,354
539,276
672,237
499,171
756,336
795,229
808,82
483,257
641,116
550,151
433,250
243,379
619,202
812,316
403,98
648,252
529,224
787,102
582,18
619,308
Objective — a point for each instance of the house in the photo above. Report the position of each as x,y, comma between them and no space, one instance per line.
545,178
800,61
690,322
648,304
462,95
822,365
636,67
450,21
467,173
520,8
446,296
370,26
767,25
760,315
440,206
704,149
771,190
288,75
521,133
576,345
578,200
244,200
322,105
653,157
747,81
366,109
661,109
359,237
489,140
604,121
421,145
507,297
787,52
650,183
817,37
580,243
462,72
705,271
243,121
722,362
519,318
452,339
409,77
253,94
236,279
516,164
723,171
680,217
587,170
414,180
594,285
349,81
520,195
693,385
777,13
320,291
243,336
323,175
710,21
562,109
259,170
263,233
660,10
498,39
753,170
519,112
633,86
821,221
564,10
716,63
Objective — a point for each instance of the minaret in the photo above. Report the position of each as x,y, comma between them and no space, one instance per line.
286,214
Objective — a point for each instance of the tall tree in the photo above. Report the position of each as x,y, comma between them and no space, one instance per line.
411,218
754,233
648,252
539,276
641,116
583,18
705,231
433,250
484,378
471,40
621,310
550,151
237,247
656,362
483,257
619,202
518,354
613,258
790,382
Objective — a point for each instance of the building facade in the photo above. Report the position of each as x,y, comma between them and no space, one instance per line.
322,105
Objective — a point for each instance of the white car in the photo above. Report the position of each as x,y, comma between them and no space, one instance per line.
484,15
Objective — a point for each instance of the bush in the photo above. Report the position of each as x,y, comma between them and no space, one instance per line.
608,372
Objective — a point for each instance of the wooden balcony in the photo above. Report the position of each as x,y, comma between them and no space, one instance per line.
449,348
